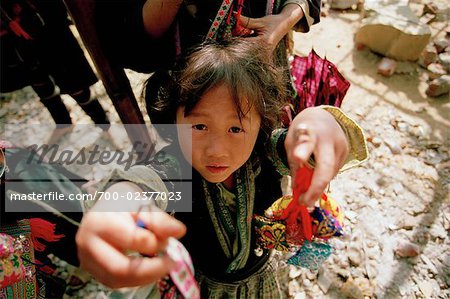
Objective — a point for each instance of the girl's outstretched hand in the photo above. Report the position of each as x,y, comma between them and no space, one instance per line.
315,132
104,237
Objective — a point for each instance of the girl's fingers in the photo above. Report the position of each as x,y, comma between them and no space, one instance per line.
324,172
115,269
121,231
304,141
162,224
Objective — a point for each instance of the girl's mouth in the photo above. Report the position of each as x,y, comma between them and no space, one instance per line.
216,169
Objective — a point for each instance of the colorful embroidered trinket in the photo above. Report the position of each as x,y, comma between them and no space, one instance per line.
311,255
271,234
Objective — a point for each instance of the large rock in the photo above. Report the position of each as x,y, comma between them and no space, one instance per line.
343,4
394,31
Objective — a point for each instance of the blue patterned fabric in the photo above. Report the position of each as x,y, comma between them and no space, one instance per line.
311,255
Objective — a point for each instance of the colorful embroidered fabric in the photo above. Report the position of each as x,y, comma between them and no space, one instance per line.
11,266
226,24
183,273
271,235
181,281
311,255
25,288
289,227
234,231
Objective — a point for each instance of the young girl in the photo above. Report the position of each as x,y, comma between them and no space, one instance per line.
228,98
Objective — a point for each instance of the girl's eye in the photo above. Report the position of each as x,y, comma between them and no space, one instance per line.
236,130
199,127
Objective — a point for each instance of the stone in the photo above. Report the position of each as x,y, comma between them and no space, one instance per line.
437,231
386,67
393,146
300,295
293,287
406,249
306,283
351,215
442,10
344,273
376,141
398,188
350,290
429,264
324,282
441,44
394,31
426,288
439,86
294,272
427,18
408,222
343,4
358,288
430,8
428,56
444,59
436,70
354,256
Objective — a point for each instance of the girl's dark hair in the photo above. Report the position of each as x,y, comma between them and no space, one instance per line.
242,65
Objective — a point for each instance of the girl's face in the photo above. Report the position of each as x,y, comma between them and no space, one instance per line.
221,142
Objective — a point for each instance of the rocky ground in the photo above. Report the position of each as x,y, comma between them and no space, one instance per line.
397,203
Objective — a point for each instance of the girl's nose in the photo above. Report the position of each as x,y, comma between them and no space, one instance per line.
216,146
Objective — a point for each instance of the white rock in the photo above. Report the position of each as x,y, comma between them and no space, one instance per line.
430,265
407,249
393,146
386,67
444,58
300,295
426,288
354,256
293,287
306,283
295,272
436,70
324,282
394,31
350,215
428,56
376,141
437,231
439,86
343,4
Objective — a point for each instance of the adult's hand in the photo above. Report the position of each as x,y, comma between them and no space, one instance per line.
104,238
315,131
272,28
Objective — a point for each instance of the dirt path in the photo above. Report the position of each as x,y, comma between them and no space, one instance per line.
400,196
397,200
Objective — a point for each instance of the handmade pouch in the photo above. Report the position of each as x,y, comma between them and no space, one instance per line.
12,269
289,227
17,278
311,255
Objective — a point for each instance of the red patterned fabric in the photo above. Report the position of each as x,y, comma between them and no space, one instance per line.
317,81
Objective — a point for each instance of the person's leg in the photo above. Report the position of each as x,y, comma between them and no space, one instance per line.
92,108
49,95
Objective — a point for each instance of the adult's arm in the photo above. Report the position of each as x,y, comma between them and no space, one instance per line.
158,16
294,14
